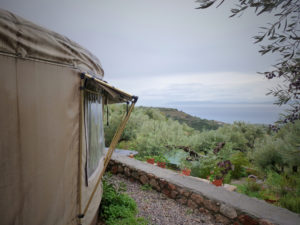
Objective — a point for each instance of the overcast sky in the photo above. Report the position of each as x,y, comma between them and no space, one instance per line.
169,53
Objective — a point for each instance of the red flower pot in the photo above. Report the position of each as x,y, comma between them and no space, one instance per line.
161,164
217,182
151,161
186,172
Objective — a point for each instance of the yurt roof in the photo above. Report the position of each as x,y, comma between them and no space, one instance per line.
22,38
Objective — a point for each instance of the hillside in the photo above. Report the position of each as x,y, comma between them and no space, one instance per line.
193,121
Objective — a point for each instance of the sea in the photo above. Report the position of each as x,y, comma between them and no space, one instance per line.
228,113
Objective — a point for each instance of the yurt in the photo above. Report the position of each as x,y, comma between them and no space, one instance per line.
52,96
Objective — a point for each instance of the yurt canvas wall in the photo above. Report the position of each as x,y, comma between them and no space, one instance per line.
43,127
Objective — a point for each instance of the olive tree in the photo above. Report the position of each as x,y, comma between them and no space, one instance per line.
281,36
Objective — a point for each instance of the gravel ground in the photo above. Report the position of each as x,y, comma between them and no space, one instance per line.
158,209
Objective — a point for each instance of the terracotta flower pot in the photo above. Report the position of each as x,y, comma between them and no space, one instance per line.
217,182
151,161
161,164
131,156
186,172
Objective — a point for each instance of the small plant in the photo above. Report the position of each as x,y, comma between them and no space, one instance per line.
215,174
239,160
146,187
227,178
185,164
161,158
189,212
117,207
290,202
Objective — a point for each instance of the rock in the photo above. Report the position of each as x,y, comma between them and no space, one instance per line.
229,187
228,211
197,198
144,179
120,169
222,219
154,184
252,177
135,175
127,171
182,200
203,210
173,194
162,183
171,186
166,191
209,204
191,204
247,220
114,169
264,222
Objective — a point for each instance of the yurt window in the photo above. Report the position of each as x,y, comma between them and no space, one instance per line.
94,128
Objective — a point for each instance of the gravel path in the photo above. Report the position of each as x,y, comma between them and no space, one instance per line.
158,209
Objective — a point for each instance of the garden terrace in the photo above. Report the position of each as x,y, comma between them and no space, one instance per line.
227,207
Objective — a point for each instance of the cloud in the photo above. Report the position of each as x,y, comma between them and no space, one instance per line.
226,87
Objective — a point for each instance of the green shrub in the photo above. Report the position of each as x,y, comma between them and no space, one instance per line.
251,189
117,207
290,202
227,178
146,187
239,161
204,166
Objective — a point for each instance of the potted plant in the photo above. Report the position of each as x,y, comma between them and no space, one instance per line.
185,166
150,159
161,161
216,177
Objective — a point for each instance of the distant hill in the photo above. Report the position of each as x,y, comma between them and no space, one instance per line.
193,121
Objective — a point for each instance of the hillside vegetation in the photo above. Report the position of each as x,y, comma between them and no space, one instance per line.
193,121
230,152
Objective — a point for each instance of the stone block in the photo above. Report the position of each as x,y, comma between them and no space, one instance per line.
264,222
247,220
154,184
203,210
209,204
171,186
191,204
144,179
120,169
114,169
135,175
127,171
182,200
228,211
173,194
197,198
166,191
162,183
222,219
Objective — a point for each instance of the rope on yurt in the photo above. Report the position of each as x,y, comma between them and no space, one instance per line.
111,150
107,123
80,215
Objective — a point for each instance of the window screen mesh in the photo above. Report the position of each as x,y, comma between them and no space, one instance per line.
94,130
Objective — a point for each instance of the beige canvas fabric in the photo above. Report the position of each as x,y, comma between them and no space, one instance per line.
39,145
27,40
40,126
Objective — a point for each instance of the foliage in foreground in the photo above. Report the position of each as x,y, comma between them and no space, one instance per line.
282,190
118,208
246,149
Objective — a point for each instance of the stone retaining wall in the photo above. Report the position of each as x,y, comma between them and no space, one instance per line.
227,207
